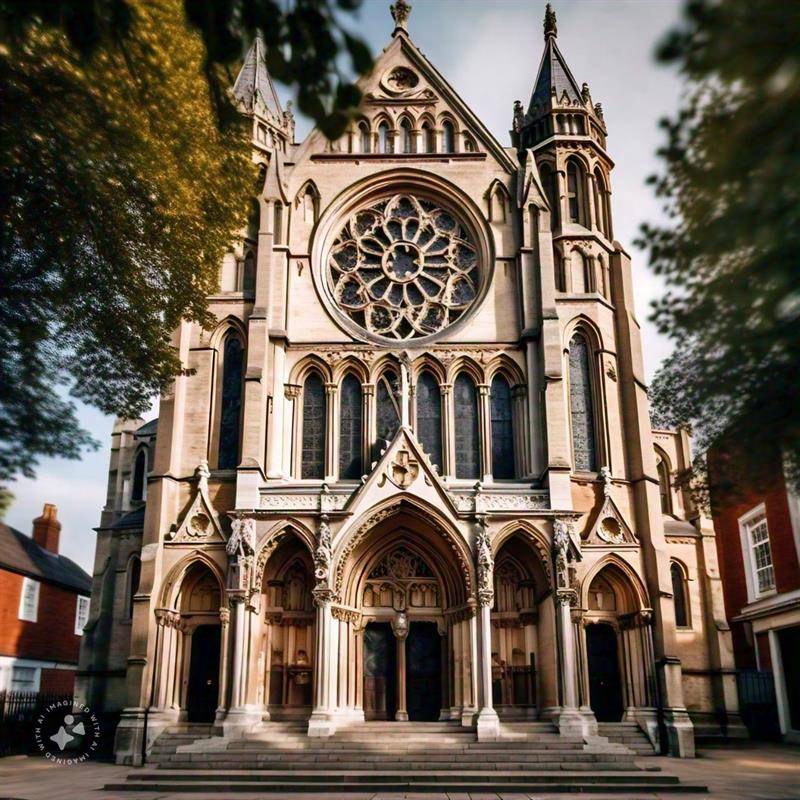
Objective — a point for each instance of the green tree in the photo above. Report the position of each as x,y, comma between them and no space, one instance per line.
729,252
124,177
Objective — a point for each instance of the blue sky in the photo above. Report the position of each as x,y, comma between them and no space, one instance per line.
489,51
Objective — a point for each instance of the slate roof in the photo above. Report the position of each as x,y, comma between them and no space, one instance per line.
133,519
19,553
554,74
255,82
148,429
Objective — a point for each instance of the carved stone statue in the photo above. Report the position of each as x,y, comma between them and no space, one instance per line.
241,548
322,555
485,564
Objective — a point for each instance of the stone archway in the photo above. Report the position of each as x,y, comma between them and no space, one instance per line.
406,624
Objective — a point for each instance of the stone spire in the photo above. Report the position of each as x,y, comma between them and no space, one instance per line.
400,11
254,89
550,28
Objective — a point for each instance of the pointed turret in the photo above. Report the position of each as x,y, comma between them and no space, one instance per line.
255,96
558,105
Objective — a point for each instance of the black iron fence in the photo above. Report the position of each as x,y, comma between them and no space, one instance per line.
18,713
757,705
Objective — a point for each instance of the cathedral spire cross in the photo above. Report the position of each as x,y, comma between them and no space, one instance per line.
550,28
400,11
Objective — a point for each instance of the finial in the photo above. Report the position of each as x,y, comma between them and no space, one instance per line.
585,94
400,11
550,28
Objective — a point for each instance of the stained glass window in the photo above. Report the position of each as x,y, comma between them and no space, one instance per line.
231,412
664,485
448,138
574,192
502,430
679,595
406,136
429,417
584,448
350,464
466,425
313,454
388,401
404,267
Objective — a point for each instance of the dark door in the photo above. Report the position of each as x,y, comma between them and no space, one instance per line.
203,694
423,672
789,639
380,671
605,679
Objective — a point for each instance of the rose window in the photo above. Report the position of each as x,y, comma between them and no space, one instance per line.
404,267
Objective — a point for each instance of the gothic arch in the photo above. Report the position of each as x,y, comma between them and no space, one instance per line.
624,580
498,193
414,514
467,365
309,189
350,364
506,366
536,539
226,325
310,363
273,538
428,363
386,361
171,586
582,324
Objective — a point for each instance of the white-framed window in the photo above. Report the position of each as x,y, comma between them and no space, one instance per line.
759,570
24,679
81,614
29,600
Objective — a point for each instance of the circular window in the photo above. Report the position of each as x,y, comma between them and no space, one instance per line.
403,267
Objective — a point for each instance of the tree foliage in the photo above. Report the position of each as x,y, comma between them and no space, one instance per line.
119,195
729,252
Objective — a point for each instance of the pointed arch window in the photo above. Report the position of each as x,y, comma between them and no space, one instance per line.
387,395
363,137
502,429
448,137
550,189
584,445
429,417
575,199
231,403
467,436
428,138
313,445
350,462
277,233
679,595
384,138
406,137
664,485
139,470
249,272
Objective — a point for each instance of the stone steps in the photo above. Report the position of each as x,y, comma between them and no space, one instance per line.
628,734
283,781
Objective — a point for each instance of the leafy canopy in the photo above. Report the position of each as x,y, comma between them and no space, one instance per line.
731,189
119,195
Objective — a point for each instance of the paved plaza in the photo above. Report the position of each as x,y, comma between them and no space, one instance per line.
731,772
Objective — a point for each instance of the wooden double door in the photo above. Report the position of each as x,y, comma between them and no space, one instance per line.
423,678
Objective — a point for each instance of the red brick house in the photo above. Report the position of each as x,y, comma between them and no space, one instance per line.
758,541
44,604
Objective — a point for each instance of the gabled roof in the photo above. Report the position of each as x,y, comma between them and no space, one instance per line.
19,553
130,521
254,82
554,79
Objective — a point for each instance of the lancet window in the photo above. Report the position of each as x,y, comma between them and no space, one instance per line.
502,430
231,403
314,410
429,417
584,445
350,463
466,429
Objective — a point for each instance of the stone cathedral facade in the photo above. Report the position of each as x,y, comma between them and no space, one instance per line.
411,475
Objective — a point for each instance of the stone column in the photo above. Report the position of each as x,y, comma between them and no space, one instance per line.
400,630
485,423
572,721
224,666
368,425
321,722
237,668
448,438
331,428
488,722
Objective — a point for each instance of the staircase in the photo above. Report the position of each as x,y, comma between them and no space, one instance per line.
628,734
393,757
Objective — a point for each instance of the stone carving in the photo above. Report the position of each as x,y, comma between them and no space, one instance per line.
400,11
485,564
403,470
304,502
201,522
609,530
484,501
241,551
400,625
605,476
401,563
519,117
322,555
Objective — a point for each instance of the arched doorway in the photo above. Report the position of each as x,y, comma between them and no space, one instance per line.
203,684
520,633
405,629
605,678
618,666
286,638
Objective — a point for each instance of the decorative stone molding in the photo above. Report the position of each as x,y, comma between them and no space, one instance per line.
201,523
324,501
345,614
241,549
483,501
322,554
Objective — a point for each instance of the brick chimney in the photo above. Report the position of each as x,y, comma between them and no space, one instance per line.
47,528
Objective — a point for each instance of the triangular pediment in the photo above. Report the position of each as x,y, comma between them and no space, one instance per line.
608,526
201,522
530,187
403,469
403,81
